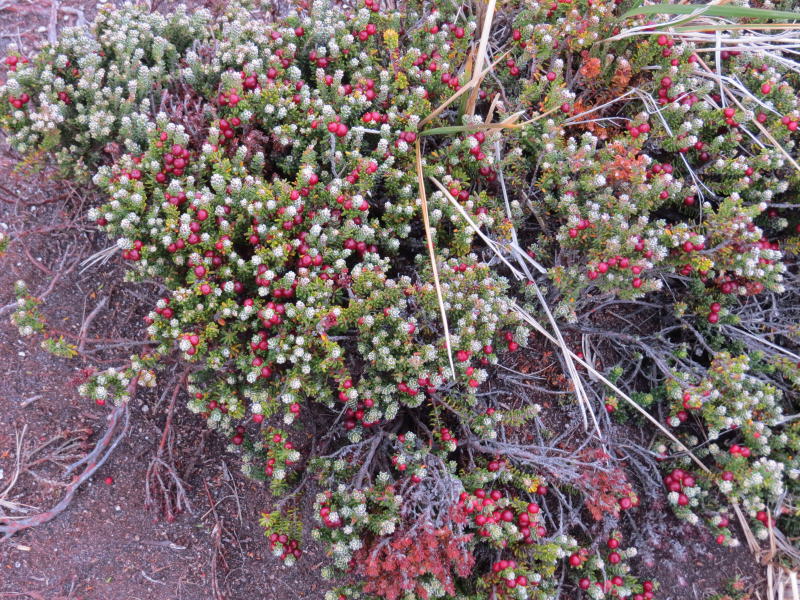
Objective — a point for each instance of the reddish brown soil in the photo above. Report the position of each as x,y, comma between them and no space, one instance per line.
106,545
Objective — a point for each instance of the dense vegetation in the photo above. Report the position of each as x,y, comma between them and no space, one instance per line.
448,262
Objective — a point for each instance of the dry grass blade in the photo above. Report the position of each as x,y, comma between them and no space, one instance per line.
510,122
463,90
99,258
489,242
733,27
432,252
782,583
5,502
536,325
748,533
480,58
753,119
492,107
711,9
580,392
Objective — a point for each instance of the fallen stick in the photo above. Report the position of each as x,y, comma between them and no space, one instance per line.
88,321
93,461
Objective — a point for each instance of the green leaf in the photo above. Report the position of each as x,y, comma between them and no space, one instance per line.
729,12
449,130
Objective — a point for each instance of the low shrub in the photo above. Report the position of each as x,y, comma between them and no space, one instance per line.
275,179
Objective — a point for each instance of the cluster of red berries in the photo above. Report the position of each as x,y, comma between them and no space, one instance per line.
194,340
366,33
608,587
212,405
636,130
660,169
791,124
13,61
274,319
737,450
582,225
713,315
729,284
765,518
134,253
723,522
21,101
447,435
266,370
249,81
729,113
228,99
510,582
576,559
373,116
476,151
689,246
512,67
321,61
355,416
360,247
677,481
620,262
694,402
289,547
496,464
226,127
133,174
483,505
175,161
276,440
165,312
451,79
338,128
324,514
432,66
238,438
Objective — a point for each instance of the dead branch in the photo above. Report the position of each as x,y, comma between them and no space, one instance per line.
217,554
92,461
88,321
163,484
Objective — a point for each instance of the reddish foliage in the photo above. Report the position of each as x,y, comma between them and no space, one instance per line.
392,567
628,164
604,488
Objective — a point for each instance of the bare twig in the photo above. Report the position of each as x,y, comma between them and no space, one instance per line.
93,461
